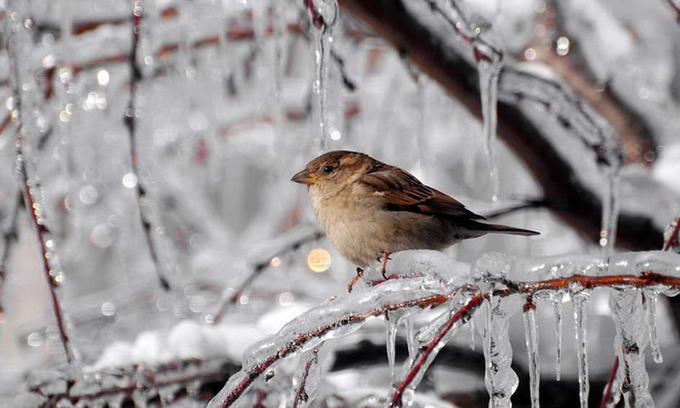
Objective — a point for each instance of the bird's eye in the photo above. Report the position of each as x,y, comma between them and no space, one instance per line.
327,169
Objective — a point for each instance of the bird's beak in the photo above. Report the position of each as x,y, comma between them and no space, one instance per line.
304,177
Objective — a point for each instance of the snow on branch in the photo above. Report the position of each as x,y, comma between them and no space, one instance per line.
494,278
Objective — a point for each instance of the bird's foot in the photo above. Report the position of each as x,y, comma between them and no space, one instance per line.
359,276
383,263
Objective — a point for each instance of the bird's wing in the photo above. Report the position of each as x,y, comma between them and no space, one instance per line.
403,192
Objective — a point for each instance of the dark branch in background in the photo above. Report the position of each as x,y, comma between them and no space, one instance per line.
9,238
676,8
314,15
131,124
30,186
524,205
575,203
528,288
289,241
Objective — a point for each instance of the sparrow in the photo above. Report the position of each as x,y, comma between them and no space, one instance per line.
370,209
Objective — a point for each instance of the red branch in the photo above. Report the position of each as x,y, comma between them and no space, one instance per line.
607,396
314,15
645,279
29,188
300,393
676,7
674,239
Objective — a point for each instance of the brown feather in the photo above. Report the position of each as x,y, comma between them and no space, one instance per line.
401,191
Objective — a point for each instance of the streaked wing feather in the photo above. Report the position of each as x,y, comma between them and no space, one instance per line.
404,192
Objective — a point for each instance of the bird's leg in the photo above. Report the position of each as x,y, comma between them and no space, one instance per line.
383,263
357,278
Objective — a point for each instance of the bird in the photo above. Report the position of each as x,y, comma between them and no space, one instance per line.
370,209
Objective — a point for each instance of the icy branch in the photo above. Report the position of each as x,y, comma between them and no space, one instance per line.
9,237
19,44
343,316
131,115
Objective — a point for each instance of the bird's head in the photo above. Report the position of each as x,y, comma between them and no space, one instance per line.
333,171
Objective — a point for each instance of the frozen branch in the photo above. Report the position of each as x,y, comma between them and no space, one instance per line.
675,6
345,315
301,395
131,115
9,238
18,42
261,257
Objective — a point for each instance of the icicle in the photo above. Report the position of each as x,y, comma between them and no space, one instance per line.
500,379
323,39
557,305
531,336
632,337
580,302
390,341
652,298
610,210
472,334
488,88
411,343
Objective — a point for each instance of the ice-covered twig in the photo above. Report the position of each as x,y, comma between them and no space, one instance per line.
675,5
131,123
523,205
344,315
337,318
315,15
261,257
301,395
673,238
19,42
482,50
9,237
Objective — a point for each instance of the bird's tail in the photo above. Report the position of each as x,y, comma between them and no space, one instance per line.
503,229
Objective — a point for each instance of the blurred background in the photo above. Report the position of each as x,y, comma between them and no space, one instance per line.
232,98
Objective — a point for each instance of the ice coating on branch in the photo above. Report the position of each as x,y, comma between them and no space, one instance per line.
531,338
632,337
488,89
652,298
306,383
390,343
430,339
580,314
610,210
500,379
337,318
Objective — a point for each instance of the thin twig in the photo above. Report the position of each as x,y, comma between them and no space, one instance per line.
524,205
30,186
300,394
131,124
676,8
608,390
9,237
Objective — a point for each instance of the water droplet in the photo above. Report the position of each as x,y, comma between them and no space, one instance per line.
103,77
318,260
108,309
130,180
